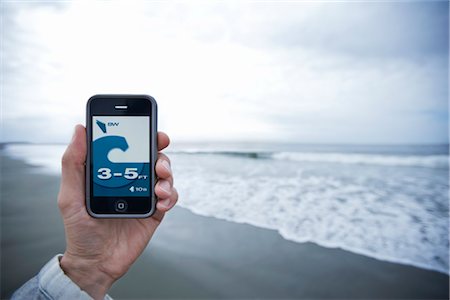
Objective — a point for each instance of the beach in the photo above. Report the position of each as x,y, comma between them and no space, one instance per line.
194,256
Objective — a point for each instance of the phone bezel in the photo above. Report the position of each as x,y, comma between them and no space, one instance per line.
138,105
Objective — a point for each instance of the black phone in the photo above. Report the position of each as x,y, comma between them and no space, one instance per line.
121,155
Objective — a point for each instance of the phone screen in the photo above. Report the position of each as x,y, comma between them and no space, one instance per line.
121,156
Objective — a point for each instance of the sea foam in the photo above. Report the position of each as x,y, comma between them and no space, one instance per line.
393,210
429,161
388,206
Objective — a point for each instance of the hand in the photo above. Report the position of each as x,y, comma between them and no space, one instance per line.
100,251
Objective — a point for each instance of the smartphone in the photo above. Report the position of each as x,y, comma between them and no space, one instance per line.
121,154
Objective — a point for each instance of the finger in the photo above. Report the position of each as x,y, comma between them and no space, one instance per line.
166,204
73,170
162,155
170,178
163,189
162,168
163,140
158,216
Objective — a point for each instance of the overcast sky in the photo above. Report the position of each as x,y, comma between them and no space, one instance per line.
233,71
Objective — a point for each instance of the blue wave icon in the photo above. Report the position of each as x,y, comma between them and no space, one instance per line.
102,126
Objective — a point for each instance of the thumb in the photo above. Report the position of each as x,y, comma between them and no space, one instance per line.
72,189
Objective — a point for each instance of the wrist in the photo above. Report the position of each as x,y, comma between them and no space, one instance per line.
87,275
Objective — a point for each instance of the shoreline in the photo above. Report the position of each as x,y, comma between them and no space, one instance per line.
193,256
350,250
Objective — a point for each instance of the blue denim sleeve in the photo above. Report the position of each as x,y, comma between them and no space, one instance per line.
51,284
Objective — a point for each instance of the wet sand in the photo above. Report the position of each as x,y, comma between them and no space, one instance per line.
200,257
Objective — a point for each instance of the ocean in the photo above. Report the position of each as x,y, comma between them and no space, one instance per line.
386,202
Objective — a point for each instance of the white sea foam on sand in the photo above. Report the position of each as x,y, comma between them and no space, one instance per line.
394,212
389,206
46,157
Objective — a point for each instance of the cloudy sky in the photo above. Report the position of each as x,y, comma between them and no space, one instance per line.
301,72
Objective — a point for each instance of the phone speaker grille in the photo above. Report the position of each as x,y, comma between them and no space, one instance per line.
121,107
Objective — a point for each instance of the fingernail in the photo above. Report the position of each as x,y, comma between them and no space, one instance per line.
165,186
166,166
165,202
